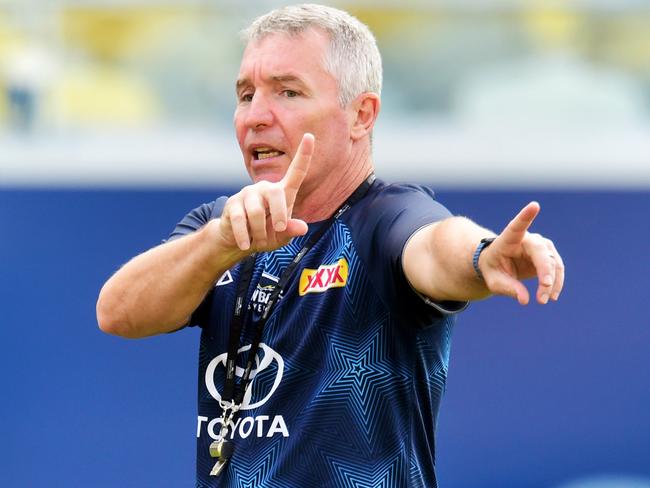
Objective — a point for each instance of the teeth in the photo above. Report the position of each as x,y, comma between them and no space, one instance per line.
266,155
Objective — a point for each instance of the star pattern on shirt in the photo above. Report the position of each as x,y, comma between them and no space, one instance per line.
253,471
359,376
384,473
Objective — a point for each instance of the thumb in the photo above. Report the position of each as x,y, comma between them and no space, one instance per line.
296,227
506,285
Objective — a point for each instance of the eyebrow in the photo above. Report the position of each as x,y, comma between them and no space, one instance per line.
285,78
277,79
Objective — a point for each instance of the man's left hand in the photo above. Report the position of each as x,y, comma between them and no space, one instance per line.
516,255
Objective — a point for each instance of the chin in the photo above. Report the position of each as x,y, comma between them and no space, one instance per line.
270,176
272,169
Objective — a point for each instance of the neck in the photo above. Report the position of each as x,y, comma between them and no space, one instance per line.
320,203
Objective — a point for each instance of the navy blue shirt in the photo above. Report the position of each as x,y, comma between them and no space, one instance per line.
353,362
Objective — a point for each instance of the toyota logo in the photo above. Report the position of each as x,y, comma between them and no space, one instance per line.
270,356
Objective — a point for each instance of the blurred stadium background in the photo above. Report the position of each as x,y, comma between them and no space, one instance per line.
116,118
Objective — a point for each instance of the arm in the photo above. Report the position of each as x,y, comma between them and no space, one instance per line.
157,291
437,260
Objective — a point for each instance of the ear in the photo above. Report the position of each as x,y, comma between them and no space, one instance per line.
365,109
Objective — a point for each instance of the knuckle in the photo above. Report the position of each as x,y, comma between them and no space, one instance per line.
255,211
539,242
245,191
237,216
276,191
233,201
263,186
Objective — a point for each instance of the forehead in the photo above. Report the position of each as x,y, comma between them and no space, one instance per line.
279,54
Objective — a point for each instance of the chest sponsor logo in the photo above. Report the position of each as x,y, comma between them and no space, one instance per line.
270,368
325,277
267,372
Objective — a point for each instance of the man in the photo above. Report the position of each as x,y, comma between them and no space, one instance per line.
326,297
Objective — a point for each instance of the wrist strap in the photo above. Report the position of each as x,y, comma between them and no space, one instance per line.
485,242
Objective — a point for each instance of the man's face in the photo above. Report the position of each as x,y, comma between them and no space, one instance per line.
283,91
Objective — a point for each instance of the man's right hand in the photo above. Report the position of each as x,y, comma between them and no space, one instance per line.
258,218
157,291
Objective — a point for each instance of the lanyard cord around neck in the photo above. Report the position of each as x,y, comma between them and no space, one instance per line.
231,399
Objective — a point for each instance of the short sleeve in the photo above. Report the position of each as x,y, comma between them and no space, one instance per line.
391,217
192,222
198,217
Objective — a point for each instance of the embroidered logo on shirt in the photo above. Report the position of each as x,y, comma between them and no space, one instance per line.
325,277
262,293
225,279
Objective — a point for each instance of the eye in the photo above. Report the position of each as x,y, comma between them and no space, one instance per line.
246,97
290,93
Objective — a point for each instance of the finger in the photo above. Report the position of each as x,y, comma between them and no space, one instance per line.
295,228
559,272
275,199
237,218
256,214
298,168
515,231
503,284
535,247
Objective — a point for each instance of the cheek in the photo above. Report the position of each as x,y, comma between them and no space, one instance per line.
335,133
240,131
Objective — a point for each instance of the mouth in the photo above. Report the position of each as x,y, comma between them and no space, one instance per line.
262,153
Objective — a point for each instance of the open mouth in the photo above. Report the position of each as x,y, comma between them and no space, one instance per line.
262,153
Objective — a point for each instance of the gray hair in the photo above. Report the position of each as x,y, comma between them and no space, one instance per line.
353,57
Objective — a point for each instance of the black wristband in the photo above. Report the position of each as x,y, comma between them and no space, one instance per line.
485,242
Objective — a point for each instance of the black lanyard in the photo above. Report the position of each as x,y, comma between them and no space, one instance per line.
242,290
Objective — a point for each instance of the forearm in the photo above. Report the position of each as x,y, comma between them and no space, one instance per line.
438,260
157,291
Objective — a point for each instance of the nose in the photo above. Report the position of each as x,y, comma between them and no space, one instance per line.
260,113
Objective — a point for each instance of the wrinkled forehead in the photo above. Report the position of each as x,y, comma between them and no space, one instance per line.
275,47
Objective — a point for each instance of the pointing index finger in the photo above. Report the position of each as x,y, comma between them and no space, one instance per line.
516,230
298,168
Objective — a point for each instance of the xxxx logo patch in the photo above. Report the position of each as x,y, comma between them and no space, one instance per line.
325,277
